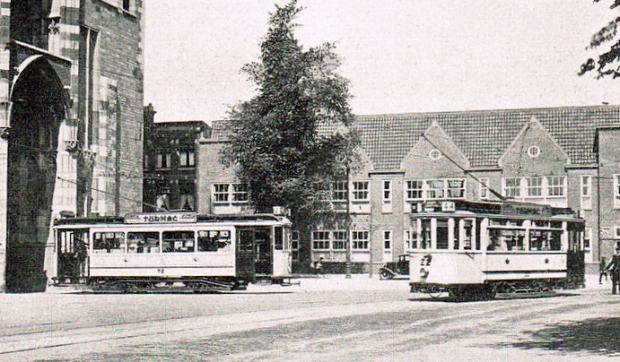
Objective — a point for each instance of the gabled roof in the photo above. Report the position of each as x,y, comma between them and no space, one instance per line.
483,136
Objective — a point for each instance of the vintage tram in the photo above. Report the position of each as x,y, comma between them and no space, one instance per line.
172,250
476,250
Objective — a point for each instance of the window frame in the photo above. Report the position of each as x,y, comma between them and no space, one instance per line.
339,189
553,186
483,188
388,238
339,244
585,198
187,158
356,240
387,191
356,191
215,193
314,240
517,187
235,193
529,186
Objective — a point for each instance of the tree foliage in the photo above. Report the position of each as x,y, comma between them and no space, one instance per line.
608,61
288,141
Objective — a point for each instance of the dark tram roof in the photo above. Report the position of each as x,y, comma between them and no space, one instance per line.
516,208
200,217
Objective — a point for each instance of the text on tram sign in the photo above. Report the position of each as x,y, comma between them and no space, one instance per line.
158,218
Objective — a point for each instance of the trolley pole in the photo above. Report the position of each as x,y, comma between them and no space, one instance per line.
348,223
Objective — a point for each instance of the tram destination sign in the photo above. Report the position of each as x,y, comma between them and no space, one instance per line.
162,218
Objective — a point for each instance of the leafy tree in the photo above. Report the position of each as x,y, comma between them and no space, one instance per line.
607,62
289,140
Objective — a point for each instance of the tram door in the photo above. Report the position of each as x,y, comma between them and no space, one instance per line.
245,253
72,255
264,251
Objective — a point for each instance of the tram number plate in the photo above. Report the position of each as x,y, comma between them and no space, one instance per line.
426,260
160,270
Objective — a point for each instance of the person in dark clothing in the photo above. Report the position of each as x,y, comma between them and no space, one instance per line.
614,268
602,271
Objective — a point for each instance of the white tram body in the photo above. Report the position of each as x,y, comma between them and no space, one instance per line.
461,246
144,249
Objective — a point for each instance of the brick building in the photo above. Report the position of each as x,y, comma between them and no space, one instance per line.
564,156
71,118
170,162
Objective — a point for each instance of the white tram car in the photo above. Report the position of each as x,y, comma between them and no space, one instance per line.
155,250
473,250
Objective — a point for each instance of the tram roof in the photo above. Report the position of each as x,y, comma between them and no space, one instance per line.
199,218
504,208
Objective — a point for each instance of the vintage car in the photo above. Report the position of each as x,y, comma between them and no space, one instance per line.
395,268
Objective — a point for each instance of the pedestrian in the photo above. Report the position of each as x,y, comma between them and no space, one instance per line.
319,266
614,268
602,271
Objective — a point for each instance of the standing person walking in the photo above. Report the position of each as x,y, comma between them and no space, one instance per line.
614,268
602,271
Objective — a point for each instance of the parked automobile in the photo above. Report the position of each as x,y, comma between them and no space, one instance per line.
395,268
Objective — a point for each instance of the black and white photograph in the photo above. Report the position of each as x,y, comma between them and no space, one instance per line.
310,180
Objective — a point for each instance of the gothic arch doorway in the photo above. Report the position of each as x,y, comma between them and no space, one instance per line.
37,110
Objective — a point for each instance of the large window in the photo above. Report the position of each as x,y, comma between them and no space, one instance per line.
360,191
339,190
220,193
240,193
434,189
214,240
178,241
340,240
415,190
295,245
512,187
534,186
456,188
186,159
387,240
483,189
143,242
111,242
555,186
387,191
320,240
163,160
411,239
359,240
227,193
586,192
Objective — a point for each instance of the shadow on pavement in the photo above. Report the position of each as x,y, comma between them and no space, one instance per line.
600,336
444,298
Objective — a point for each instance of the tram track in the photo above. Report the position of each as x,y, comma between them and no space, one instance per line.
425,315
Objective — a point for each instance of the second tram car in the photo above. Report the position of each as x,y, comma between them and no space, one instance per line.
151,250
474,250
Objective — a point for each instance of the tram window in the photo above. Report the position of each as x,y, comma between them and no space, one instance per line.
442,234
143,243
213,240
425,234
545,240
507,239
178,241
457,234
278,238
467,241
110,243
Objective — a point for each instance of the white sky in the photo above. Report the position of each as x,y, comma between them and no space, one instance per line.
400,55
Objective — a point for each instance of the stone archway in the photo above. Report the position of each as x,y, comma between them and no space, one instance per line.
37,110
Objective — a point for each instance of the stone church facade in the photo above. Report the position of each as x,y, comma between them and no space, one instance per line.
71,101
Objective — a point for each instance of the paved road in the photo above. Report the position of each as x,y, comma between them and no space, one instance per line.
324,319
